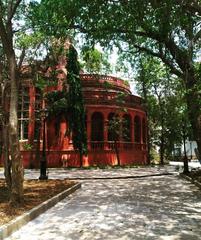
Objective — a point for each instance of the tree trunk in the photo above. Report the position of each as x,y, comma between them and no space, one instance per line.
185,159
194,109
162,151
6,35
17,167
5,134
7,161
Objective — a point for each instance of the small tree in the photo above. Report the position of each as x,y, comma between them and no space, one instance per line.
114,131
8,13
69,101
164,100
118,126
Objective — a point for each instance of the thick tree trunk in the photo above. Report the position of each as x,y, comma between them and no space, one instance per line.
185,159
5,130
7,161
6,35
194,109
17,168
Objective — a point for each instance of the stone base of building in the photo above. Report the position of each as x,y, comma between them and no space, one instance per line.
72,158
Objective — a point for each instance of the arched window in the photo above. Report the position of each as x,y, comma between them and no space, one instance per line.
137,129
113,127
144,134
126,128
97,127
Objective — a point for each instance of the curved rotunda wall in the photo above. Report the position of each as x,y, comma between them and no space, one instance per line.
104,83
102,103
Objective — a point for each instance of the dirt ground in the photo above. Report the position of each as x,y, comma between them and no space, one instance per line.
35,192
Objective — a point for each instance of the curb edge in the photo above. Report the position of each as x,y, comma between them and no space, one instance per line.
15,224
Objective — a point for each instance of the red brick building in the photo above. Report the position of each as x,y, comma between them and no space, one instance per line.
101,98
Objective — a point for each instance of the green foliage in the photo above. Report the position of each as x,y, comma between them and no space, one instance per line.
42,82
28,146
169,30
107,85
94,61
70,103
58,104
114,127
76,104
165,101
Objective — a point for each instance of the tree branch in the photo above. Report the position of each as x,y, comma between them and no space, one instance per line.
160,55
22,56
4,37
193,6
197,36
13,9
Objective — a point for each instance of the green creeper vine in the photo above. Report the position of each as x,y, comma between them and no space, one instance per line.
70,104
76,104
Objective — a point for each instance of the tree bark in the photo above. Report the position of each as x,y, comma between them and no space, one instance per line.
162,150
5,129
17,167
194,109
6,35
7,162
185,159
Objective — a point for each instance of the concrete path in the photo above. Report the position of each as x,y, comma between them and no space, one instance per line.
160,207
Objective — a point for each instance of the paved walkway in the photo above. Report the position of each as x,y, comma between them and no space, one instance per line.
155,207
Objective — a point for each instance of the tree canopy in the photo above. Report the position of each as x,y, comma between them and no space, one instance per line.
169,30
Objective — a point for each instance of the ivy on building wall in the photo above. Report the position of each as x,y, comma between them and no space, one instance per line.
69,102
76,104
